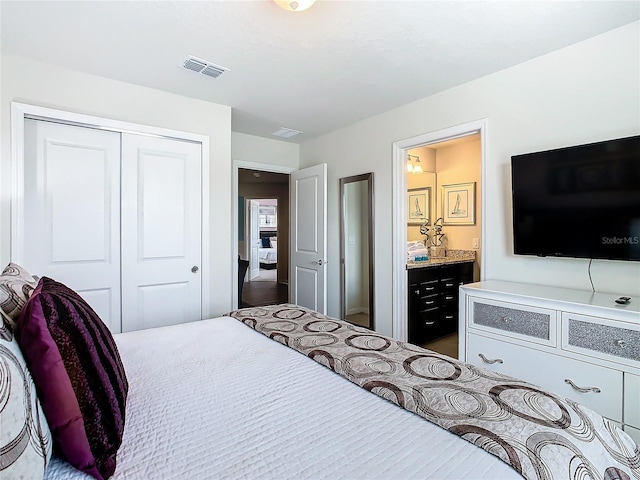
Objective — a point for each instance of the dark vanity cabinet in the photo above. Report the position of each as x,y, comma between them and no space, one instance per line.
433,300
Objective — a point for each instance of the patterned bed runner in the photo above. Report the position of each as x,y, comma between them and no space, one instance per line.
540,435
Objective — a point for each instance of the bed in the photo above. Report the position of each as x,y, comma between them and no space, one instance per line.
276,392
268,251
233,397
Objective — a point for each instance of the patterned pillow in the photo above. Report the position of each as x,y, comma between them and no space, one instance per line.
80,378
16,284
25,439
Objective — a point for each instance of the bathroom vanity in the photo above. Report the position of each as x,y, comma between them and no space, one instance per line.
433,294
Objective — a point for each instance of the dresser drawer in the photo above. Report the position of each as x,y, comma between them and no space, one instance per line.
551,372
632,400
525,322
634,433
610,340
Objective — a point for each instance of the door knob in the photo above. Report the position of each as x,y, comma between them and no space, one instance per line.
319,262
194,269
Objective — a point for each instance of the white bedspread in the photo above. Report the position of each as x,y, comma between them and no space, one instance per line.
218,400
268,255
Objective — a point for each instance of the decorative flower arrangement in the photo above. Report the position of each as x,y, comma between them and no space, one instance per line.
434,240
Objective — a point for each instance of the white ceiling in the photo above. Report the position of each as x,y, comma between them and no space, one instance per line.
316,71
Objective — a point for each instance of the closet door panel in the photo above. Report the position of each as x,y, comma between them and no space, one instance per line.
161,231
72,211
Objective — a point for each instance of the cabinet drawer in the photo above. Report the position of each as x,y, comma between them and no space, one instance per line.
450,284
552,373
524,322
601,338
426,288
632,400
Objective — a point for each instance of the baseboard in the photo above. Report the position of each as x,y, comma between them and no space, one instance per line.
355,310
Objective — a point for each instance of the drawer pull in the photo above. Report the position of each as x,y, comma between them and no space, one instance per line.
580,389
449,298
430,302
506,319
417,292
429,289
620,343
486,360
449,285
448,317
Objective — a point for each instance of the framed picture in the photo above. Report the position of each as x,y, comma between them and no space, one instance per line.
459,204
418,205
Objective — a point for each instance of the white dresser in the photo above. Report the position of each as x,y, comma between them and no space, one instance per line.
577,344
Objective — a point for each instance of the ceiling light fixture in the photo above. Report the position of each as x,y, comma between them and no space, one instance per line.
293,5
414,166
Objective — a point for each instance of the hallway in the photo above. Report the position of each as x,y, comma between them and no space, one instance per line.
264,290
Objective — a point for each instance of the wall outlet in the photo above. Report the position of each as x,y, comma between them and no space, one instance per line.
475,243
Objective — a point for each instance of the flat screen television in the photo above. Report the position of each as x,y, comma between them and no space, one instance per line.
581,201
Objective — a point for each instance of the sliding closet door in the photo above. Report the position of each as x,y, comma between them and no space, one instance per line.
161,231
71,221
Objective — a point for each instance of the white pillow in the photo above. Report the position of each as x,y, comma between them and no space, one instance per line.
25,439
16,286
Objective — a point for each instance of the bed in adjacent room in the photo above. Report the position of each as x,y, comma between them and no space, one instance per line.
268,251
283,392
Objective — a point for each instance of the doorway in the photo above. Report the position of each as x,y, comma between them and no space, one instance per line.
263,233
401,150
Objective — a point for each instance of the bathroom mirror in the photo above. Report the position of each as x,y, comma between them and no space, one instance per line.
356,250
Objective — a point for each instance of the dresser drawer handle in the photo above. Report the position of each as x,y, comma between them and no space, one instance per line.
430,302
448,298
429,289
486,360
448,317
580,389
620,343
505,319
449,285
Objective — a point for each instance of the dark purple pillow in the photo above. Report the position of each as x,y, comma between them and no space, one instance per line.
78,374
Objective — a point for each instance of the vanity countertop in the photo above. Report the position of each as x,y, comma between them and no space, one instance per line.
453,256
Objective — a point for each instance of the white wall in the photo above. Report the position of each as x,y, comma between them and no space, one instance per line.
583,93
249,148
46,85
460,163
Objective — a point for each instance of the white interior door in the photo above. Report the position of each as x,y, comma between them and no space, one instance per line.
254,239
308,272
71,222
161,231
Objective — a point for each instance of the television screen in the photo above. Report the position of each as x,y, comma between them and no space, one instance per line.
581,201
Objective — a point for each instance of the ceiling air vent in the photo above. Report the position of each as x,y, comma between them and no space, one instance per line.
286,132
202,66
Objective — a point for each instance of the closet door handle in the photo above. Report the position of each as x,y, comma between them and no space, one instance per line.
486,360
194,269
581,389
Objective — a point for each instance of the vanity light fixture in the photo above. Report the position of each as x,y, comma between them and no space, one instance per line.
413,164
293,5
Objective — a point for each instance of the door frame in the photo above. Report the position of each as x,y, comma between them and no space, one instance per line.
22,111
263,167
400,281
249,221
